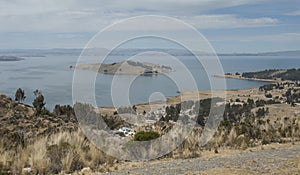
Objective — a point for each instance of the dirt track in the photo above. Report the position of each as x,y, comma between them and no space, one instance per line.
272,159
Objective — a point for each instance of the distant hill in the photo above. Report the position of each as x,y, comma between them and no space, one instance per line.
134,51
289,74
10,58
280,53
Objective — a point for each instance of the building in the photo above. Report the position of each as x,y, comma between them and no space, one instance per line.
126,131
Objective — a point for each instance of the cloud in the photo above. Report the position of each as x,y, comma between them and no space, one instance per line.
199,22
93,15
293,13
70,23
228,21
83,21
275,38
67,35
19,7
283,37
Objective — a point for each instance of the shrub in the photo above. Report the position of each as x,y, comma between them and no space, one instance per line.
63,110
172,112
260,103
201,120
225,123
268,95
38,103
145,136
261,112
20,95
63,157
45,111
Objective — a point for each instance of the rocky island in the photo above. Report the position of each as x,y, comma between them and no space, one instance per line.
127,68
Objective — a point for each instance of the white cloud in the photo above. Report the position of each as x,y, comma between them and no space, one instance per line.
199,22
82,21
283,37
276,38
294,13
93,15
20,7
228,21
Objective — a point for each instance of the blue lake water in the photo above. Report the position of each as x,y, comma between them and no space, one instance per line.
52,75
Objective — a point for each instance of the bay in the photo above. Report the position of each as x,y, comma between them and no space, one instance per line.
52,75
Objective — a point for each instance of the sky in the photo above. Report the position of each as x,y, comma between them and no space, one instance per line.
229,25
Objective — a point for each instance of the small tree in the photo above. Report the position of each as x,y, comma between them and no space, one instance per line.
37,92
38,103
20,95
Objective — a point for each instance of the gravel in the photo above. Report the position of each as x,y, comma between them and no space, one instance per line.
271,161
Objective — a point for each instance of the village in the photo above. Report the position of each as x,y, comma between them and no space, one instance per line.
146,116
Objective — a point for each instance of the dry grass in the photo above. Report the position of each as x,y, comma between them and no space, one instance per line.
36,155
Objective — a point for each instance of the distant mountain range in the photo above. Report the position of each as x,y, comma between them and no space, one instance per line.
131,52
279,53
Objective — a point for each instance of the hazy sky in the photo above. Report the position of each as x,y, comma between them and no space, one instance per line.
230,25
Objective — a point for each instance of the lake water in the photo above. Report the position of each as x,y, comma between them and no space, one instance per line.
52,75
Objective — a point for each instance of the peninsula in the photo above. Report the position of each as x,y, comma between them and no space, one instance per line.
268,75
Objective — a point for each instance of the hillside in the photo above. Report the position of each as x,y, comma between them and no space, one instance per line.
51,142
126,68
288,74
19,123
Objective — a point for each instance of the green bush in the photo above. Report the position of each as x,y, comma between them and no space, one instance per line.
45,111
145,136
268,95
38,103
63,110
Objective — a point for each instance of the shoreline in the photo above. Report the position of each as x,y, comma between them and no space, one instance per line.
203,94
242,94
239,77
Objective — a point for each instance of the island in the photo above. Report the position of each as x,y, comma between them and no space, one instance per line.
10,58
127,68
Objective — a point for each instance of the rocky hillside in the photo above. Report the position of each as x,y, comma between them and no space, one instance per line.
19,123
127,68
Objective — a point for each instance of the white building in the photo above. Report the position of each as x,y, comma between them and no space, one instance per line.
126,131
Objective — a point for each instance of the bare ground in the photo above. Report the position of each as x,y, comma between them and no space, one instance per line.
268,159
